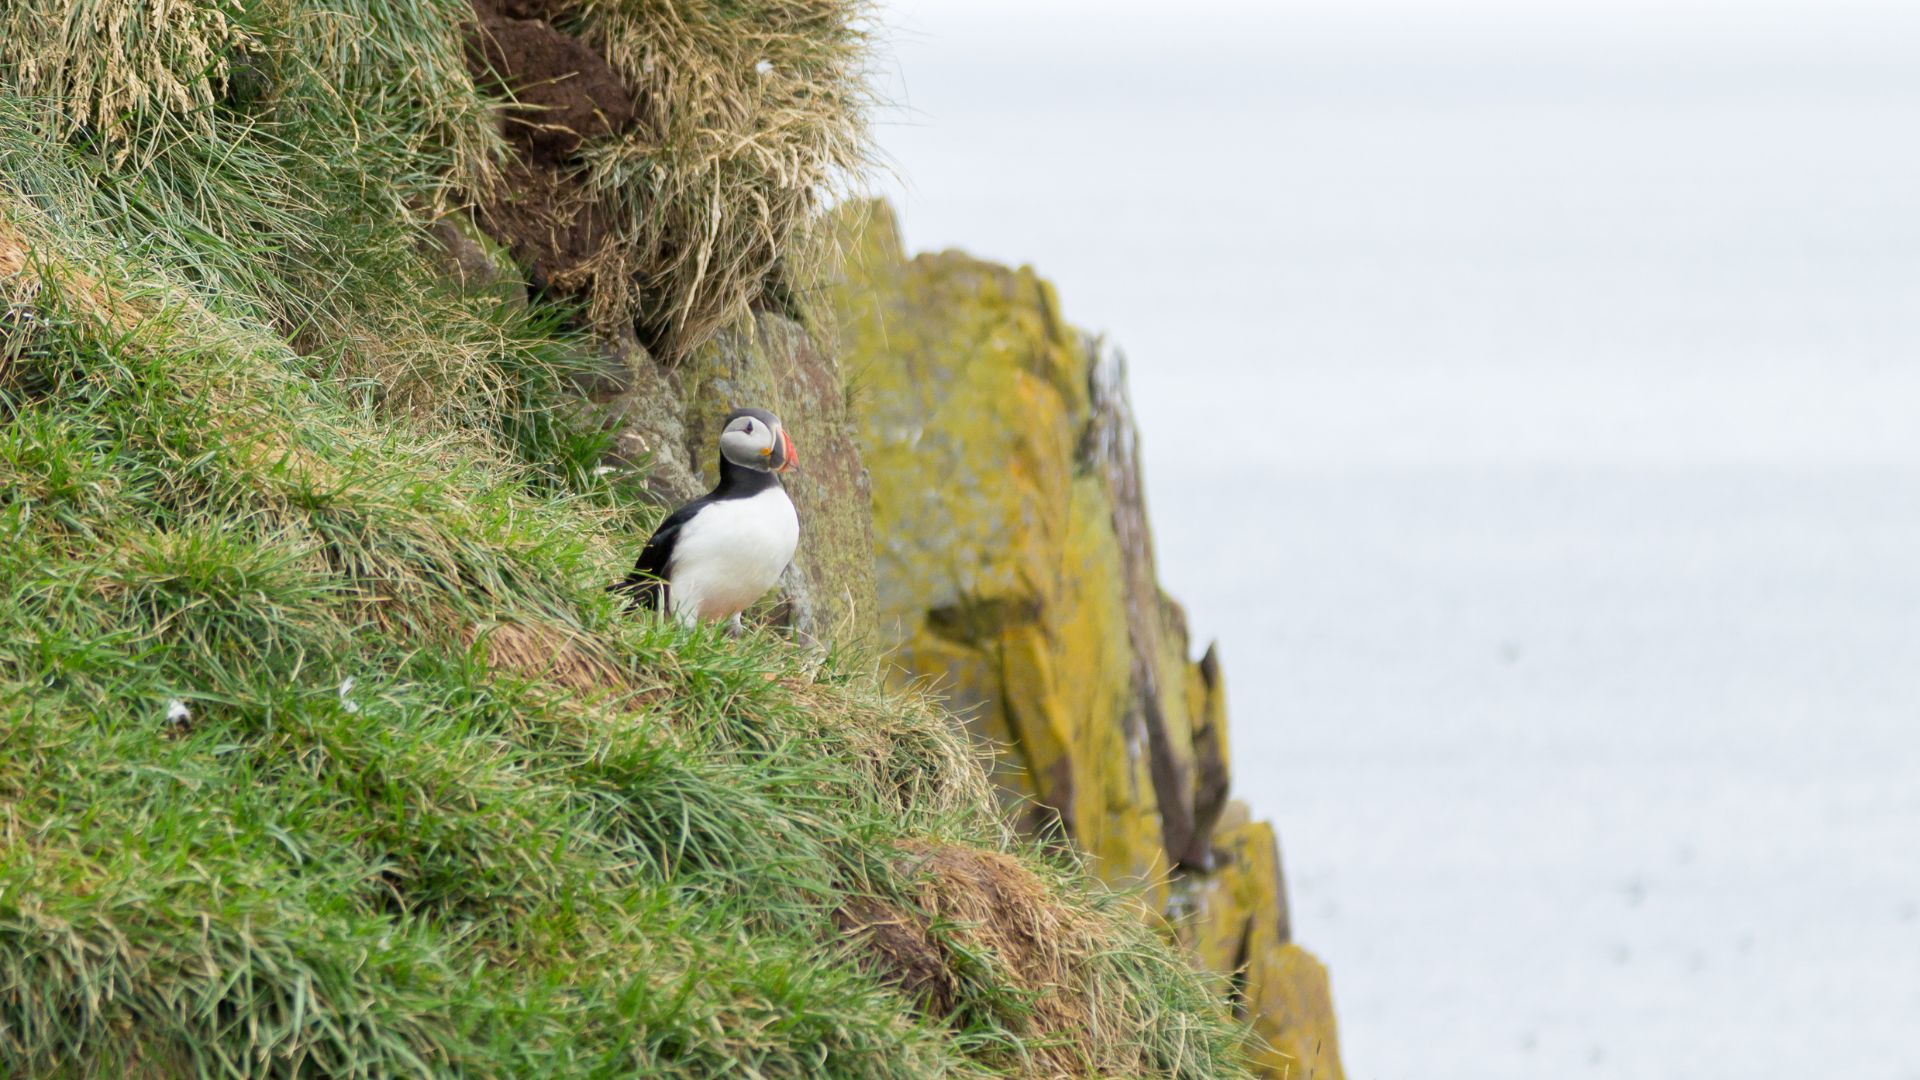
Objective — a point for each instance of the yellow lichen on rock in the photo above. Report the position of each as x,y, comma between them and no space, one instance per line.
1292,1010
1014,572
997,564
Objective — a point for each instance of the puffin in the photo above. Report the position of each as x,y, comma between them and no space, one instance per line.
712,558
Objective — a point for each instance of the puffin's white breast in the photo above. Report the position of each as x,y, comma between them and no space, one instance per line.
731,553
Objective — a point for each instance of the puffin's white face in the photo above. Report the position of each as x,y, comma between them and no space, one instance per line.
757,441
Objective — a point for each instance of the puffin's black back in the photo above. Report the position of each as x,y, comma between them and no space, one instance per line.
646,587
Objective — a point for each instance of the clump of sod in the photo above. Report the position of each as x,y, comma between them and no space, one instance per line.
757,110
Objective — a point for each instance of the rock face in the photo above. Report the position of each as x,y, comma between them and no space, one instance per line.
1014,567
829,591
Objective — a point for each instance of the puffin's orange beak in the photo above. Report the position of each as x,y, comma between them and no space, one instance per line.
788,456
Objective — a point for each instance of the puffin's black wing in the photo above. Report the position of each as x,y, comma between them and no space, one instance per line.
646,586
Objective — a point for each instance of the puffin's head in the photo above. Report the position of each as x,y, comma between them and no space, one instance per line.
755,439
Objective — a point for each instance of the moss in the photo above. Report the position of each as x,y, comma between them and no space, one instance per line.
972,396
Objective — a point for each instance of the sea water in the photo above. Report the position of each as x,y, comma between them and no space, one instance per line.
1531,407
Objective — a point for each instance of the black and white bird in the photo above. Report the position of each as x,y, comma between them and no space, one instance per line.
712,558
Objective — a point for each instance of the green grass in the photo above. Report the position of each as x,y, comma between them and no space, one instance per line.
437,807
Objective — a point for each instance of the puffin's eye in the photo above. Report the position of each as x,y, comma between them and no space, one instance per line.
749,427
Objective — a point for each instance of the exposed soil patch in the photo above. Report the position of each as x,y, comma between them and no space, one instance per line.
565,95
551,226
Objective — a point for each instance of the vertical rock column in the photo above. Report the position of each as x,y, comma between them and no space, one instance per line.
1014,565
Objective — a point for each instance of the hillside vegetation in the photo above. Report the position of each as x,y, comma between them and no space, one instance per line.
323,752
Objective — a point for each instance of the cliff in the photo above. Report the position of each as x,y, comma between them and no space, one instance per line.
347,351
1014,565
1007,559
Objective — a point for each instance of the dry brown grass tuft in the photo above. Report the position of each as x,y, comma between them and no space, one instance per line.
29,272
758,109
103,63
550,653
13,251
272,455
1000,906
898,946
981,906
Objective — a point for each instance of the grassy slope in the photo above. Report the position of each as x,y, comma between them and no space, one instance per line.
436,807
